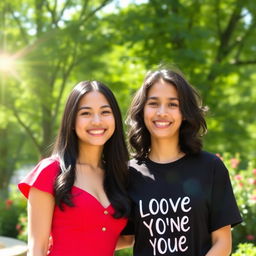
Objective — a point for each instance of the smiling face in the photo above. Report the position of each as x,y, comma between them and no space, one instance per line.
95,122
162,115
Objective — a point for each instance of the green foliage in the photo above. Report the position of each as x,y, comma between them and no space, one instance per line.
10,151
244,186
50,45
212,43
124,252
10,210
246,249
53,41
8,218
22,227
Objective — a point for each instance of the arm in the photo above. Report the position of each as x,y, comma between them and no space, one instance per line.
125,241
221,242
40,211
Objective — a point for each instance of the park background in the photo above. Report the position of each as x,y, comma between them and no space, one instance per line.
47,46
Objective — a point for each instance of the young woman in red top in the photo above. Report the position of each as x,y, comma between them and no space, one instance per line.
77,195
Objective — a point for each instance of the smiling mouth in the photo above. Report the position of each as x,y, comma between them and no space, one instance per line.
162,124
96,132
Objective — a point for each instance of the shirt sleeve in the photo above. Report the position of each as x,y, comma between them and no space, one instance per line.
42,177
224,209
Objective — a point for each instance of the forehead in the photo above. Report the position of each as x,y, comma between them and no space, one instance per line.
93,99
162,89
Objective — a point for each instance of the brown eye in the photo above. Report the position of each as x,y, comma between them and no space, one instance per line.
152,103
106,112
173,105
85,113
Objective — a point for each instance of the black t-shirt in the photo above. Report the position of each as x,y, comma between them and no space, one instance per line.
176,206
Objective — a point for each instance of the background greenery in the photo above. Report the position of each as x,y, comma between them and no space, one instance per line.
52,45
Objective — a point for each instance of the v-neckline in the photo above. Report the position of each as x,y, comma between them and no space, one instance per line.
92,196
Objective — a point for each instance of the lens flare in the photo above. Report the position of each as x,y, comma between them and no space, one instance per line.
7,63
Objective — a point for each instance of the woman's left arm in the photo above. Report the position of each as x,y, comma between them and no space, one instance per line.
221,242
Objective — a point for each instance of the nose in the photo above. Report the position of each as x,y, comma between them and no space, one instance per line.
161,111
96,119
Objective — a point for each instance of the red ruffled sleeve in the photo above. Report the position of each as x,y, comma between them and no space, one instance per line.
41,177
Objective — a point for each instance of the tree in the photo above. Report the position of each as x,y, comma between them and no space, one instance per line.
213,43
47,41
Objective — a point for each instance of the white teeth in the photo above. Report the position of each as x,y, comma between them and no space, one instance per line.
162,124
96,132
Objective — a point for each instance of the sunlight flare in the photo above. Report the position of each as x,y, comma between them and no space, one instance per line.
7,63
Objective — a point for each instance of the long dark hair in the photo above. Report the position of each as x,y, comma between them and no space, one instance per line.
192,127
115,153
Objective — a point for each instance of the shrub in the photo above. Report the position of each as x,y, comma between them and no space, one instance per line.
246,249
22,227
8,218
244,185
10,210
124,252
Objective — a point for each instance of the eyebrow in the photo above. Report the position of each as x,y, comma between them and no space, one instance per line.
156,98
85,107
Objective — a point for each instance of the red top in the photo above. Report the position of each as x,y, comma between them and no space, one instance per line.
88,229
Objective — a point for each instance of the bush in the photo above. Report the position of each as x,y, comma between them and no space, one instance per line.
124,252
8,218
246,249
10,210
244,185
22,227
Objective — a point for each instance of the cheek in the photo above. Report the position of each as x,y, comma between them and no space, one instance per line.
80,123
147,116
76,124
111,123
113,126
179,115
147,113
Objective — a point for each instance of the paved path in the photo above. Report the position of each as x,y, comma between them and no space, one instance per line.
12,247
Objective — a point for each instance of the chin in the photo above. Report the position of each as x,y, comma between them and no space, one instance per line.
162,136
96,143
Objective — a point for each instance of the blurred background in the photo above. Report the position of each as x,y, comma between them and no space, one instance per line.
47,46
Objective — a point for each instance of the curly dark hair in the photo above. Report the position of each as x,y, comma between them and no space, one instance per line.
193,126
115,153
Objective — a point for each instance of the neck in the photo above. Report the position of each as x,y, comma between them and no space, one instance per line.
165,151
90,155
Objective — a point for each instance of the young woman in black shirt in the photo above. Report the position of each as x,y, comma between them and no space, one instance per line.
182,199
